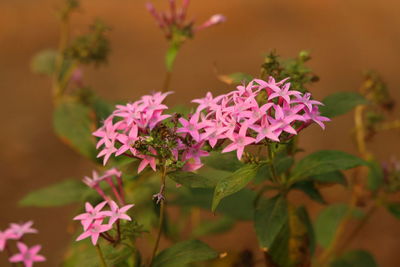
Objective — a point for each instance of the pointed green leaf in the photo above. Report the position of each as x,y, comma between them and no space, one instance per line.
220,225
223,161
375,176
309,188
63,193
233,183
329,220
270,217
238,206
183,253
193,180
336,177
394,209
44,62
324,161
341,103
356,258
73,124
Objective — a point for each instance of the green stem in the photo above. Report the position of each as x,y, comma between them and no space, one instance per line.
272,169
167,81
162,211
101,256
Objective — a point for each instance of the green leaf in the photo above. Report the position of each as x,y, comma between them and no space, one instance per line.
356,258
238,206
282,164
233,183
220,225
305,218
327,222
63,193
170,57
270,217
324,161
309,188
341,103
336,177
44,62
190,179
375,176
223,161
183,253
73,124
84,253
394,209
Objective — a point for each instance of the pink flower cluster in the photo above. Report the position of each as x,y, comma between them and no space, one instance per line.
260,110
132,124
113,177
176,19
27,255
93,220
129,124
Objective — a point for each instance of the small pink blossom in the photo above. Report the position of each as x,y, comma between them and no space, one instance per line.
91,214
94,231
4,237
17,231
27,255
117,213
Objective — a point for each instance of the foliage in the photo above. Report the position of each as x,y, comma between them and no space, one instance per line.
232,187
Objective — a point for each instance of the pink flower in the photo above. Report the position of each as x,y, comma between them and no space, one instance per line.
94,231
92,214
27,255
214,20
192,126
239,142
16,231
283,93
175,20
4,236
314,116
147,160
117,213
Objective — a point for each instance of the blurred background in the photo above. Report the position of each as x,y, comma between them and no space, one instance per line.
345,37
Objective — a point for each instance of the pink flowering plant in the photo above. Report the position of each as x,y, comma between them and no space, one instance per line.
161,172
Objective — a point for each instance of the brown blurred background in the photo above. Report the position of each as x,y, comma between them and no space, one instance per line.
345,37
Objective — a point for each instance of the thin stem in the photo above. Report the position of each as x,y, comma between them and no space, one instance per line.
107,237
358,228
101,256
271,157
332,249
162,210
9,253
167,81
118,231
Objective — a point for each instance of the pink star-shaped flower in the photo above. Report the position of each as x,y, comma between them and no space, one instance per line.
107,151
315,116
117,213
306,101
239,142
266,130
128,141
92,214
94,231
147,160
192,126
19,230
27,255
4,236
283,92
